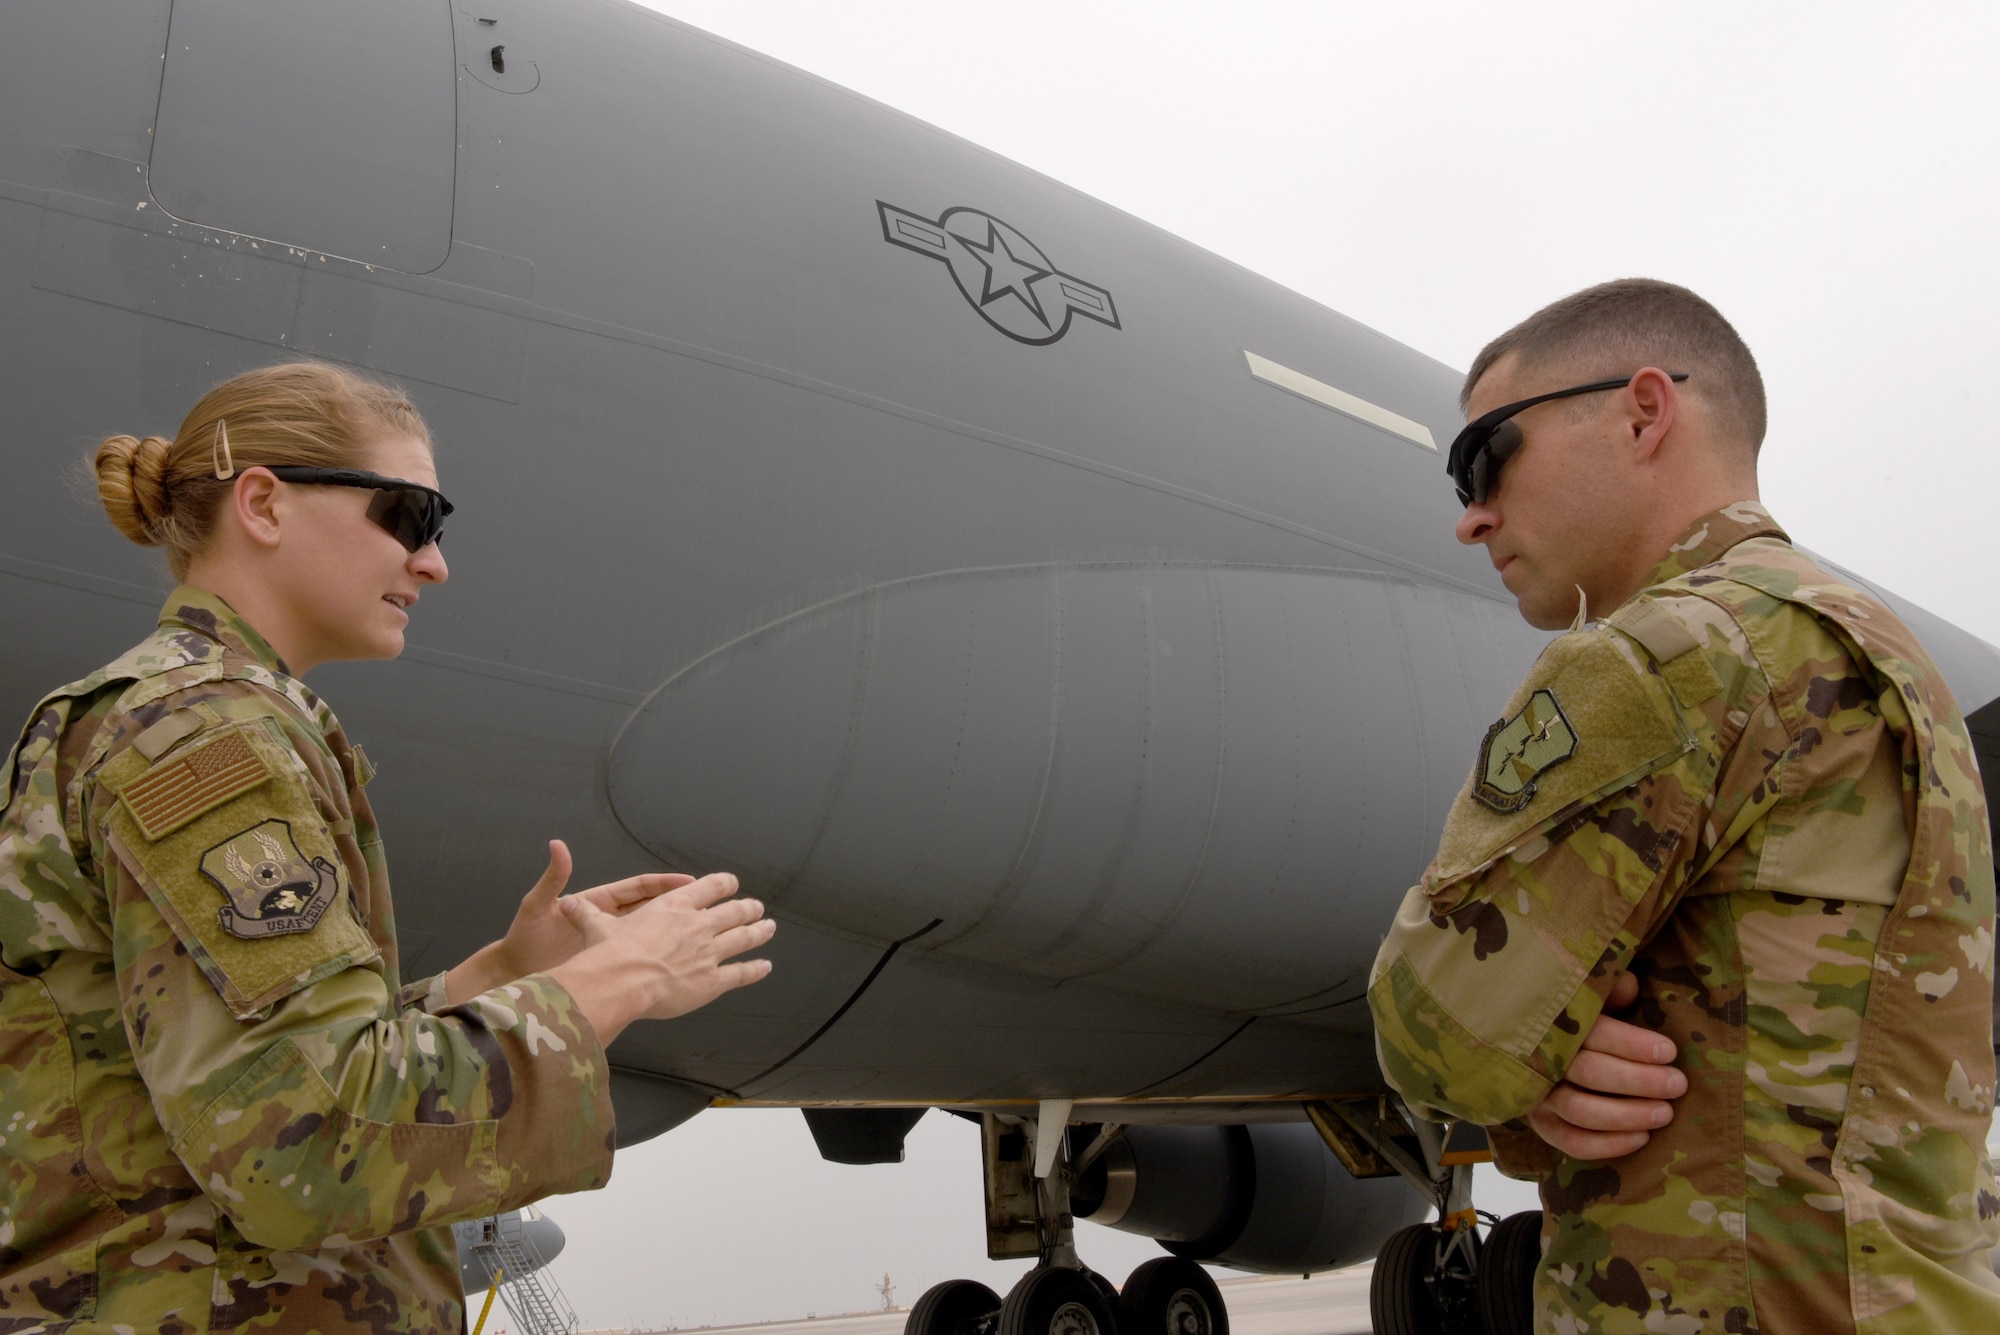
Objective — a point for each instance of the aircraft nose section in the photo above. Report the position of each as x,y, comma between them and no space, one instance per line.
516,1243
543,1232
1167,777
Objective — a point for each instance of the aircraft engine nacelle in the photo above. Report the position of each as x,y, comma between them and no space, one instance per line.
1268,1197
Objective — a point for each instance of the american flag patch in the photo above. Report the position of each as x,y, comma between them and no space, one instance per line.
169,796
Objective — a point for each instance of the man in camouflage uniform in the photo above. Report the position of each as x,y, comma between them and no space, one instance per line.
220,1109
1742,801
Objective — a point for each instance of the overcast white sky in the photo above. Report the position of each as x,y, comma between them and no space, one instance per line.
1824,172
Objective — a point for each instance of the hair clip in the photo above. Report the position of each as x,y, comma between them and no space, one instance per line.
218,452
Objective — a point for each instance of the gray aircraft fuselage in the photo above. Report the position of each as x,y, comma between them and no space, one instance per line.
1059,626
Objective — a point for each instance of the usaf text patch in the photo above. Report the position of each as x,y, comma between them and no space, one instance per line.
1518,750
272,889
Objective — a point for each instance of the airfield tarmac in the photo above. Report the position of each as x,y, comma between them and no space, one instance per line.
1330,1304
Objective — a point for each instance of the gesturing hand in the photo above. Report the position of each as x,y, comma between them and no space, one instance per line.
668,955
542,935
1617,1090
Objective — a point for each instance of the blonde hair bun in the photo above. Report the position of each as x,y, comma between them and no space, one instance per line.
169,493
132,484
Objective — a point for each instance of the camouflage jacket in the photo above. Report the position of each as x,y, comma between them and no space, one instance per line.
218,1108
1750,787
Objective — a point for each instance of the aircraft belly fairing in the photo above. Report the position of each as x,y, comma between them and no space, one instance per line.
1171,779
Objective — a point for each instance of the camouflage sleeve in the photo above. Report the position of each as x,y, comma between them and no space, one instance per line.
328,1123
1554,867
426,994
1519,1153
312,1107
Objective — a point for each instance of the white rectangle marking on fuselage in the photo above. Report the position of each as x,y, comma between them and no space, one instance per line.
1303,385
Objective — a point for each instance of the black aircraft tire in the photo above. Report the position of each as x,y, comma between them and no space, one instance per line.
951,1308
1171,1296
1399,1301
1055,1301
1507,1265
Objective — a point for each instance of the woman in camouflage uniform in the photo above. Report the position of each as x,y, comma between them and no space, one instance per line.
220,1106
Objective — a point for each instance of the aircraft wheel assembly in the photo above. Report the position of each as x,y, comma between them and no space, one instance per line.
1507,1265
1110,1292
1056,1301
1171,1296
955,1307
1424,1282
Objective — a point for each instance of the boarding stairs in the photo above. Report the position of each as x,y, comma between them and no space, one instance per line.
517,1269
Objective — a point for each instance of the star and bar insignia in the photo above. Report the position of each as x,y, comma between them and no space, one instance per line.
1003,275
1520,749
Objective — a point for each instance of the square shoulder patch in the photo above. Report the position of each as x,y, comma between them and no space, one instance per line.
1590,721
252,883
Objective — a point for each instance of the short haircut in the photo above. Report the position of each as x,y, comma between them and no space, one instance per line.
1619,327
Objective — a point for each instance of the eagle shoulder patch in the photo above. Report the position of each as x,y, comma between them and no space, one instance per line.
272,888
1518,750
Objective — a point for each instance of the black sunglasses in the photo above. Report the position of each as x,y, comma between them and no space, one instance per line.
1490,440
409,512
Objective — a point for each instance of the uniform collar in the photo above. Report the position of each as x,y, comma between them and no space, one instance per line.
1714,533
198,610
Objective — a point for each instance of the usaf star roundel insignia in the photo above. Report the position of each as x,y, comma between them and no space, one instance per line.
272,889
1004,276
1520,749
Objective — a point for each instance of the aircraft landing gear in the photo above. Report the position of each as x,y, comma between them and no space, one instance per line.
1437,1278
955,1307
1425,1282
1507,1265
1050,1300
1170,1296
1028,1171
1429,1281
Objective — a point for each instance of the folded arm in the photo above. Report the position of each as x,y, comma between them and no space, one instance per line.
1501,961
